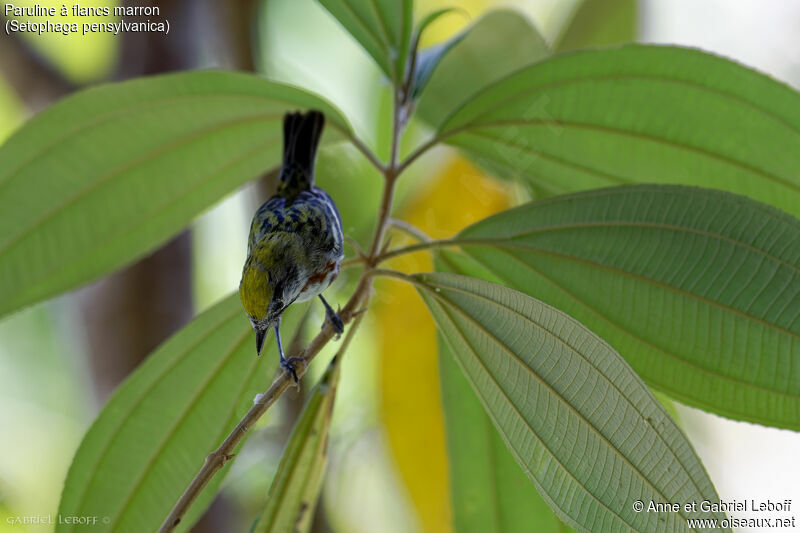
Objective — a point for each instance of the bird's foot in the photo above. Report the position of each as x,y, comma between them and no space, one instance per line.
335,320
288,365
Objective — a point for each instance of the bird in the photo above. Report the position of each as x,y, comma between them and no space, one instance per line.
296,242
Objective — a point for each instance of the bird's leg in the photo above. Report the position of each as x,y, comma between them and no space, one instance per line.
333,318
286,364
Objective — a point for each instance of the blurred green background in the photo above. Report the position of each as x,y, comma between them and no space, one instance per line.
60,360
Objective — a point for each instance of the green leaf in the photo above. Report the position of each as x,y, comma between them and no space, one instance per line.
639,114
600,23
153,435
295,490
104,176
382,27
460,263
425,62
498,44
580,422
489,491
698,289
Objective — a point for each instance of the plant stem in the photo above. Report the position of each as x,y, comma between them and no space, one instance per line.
427,245
355,306
217,459
418,153
352,242
410,229
366,151
390,175
395,274
352,262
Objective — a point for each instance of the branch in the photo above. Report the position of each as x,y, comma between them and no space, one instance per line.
217,459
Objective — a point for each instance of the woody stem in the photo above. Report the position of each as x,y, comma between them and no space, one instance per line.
390,174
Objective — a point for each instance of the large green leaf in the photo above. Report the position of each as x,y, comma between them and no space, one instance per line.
490,492
600,23
638,114
295,489
382,27
698,289
578,419
498,44
106,175
154,434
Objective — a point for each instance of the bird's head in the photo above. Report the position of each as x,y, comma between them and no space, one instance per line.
260,298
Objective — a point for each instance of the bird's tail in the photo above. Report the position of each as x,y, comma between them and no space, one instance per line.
301,133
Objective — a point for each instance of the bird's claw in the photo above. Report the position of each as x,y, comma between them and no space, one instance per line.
287,365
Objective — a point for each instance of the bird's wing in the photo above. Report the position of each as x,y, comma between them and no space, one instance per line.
268,219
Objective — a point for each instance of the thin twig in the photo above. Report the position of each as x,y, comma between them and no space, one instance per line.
363,148
352,262
427,245
410,229
357,247
395,274
418,153
383,216
358,143
217,459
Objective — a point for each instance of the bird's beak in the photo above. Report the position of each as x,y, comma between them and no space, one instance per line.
260,334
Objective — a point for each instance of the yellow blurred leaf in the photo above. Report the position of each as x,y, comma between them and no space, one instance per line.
82,58
446,27
11,111
411,406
